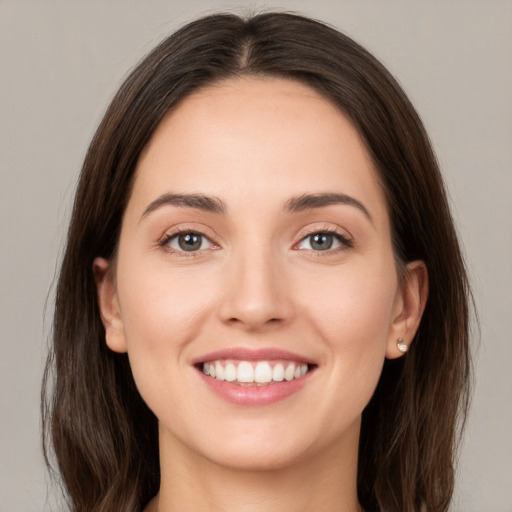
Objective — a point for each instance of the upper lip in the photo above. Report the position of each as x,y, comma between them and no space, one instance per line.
248,354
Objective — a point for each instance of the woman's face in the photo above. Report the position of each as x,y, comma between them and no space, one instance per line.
255,246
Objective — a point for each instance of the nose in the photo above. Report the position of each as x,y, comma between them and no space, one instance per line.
257,294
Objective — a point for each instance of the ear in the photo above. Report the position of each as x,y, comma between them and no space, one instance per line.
408,308
109,305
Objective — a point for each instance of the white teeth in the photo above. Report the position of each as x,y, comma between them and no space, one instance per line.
278,372
230,372
219,371
289,373
245,372
260,373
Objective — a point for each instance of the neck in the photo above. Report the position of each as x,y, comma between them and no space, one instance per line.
323,481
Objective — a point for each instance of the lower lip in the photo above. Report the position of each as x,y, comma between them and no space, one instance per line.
254,395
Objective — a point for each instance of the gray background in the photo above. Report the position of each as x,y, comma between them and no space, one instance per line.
60,63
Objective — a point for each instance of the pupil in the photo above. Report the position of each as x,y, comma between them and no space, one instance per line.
322,242
189,242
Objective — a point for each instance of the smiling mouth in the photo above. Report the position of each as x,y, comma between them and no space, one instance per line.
255,373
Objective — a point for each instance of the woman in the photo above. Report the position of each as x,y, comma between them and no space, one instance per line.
262,303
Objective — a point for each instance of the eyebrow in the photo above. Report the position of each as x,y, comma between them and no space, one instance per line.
310,201
198,201
293,205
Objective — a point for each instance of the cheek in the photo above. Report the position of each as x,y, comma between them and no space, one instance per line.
356,299
162,312
352,312
160,301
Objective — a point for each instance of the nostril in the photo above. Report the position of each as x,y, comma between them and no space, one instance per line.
234,319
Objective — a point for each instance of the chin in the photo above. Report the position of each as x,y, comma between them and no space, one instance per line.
259,459
275,448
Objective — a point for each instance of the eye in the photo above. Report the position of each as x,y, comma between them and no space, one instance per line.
323,241
189,241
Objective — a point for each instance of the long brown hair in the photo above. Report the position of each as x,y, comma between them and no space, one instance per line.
103,435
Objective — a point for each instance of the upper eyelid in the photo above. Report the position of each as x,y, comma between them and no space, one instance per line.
333,230
177,230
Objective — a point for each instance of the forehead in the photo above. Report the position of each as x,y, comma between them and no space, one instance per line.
256,136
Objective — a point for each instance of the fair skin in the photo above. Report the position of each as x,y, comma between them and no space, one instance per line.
271,277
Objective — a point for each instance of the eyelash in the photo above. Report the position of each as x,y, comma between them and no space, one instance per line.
168,237
345,243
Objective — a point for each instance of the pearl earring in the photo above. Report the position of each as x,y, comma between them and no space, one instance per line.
401,345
